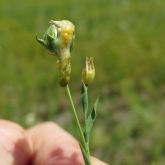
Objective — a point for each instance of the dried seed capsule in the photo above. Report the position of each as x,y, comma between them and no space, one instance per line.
58,39
88,73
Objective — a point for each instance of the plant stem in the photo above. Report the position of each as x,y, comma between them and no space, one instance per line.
84,144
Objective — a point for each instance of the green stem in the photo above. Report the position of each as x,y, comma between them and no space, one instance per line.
85,119
86,147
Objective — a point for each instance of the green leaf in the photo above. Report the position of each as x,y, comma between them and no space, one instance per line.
85,156
84,98
86,136
41,41
91,118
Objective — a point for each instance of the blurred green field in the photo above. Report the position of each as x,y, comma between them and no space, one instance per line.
127,41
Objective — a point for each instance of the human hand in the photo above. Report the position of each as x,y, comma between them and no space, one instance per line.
44,144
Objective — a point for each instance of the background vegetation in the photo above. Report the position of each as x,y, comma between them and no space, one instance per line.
127,40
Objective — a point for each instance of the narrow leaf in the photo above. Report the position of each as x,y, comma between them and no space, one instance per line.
86,136
84,98
91,118
41,41
85,156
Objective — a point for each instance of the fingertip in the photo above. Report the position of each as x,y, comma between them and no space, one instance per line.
51,144
14,146
11,125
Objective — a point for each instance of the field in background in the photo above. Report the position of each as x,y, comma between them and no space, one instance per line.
127,41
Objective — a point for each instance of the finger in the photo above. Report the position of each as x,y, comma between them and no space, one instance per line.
53,146
14,147
97,162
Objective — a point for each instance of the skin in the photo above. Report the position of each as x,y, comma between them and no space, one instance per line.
43,144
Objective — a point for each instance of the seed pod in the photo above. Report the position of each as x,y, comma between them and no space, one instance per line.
88,73
58,39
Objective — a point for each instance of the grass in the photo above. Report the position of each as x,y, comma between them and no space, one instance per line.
127,41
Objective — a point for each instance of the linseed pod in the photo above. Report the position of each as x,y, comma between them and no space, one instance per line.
58,39
88,73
